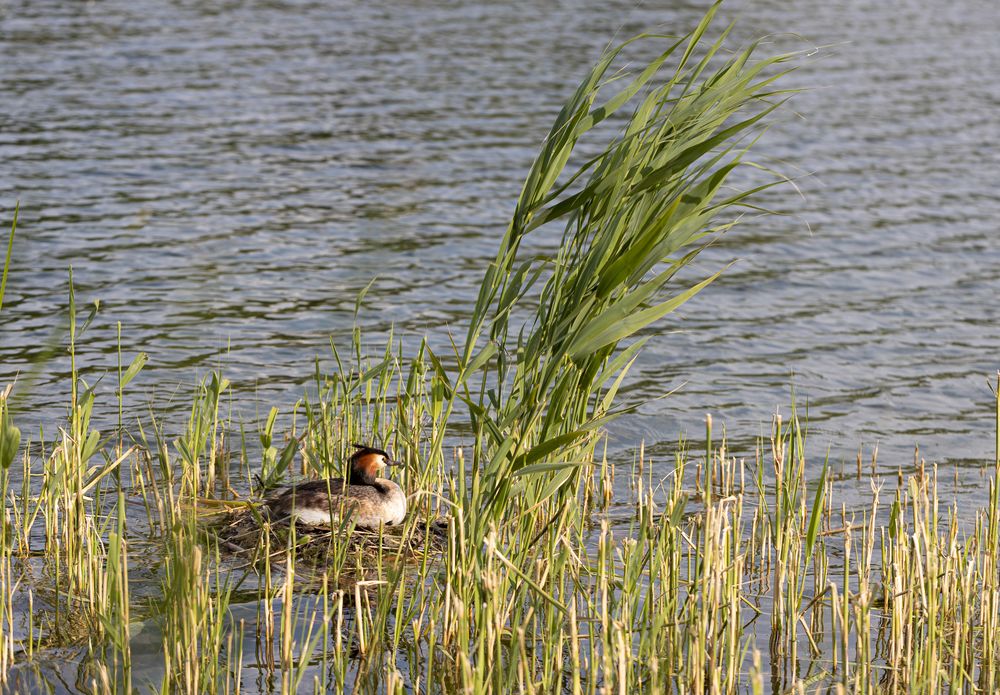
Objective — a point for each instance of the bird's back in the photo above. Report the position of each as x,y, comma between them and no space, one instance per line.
322,503
313,493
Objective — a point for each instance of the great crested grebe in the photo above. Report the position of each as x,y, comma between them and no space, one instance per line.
368,500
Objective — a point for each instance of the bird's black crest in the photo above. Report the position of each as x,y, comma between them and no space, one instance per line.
363,449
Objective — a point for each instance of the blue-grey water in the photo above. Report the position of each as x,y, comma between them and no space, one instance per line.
225,177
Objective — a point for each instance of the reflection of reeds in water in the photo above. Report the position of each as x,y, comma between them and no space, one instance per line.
724,575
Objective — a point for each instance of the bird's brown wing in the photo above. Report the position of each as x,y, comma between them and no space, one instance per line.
313,493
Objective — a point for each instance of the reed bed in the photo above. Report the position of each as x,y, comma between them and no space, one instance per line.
530,561
729,575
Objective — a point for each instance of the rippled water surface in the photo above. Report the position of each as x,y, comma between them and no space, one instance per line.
225,177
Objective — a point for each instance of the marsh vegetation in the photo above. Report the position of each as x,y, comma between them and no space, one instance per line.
137,558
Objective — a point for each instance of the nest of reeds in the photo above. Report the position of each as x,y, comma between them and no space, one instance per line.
250,534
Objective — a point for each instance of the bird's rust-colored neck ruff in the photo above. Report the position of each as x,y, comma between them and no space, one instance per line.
364,468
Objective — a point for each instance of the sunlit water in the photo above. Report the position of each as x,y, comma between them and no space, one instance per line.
226,177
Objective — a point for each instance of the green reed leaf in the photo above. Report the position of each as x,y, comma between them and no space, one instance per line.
10,250
138,362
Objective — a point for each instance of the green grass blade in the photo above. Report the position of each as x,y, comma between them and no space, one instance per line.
10,250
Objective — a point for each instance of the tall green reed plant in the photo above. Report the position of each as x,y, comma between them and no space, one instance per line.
10,442
633,216
10,436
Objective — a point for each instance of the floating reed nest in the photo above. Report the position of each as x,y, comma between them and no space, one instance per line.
248,533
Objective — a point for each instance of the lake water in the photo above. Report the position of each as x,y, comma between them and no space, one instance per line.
225,177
